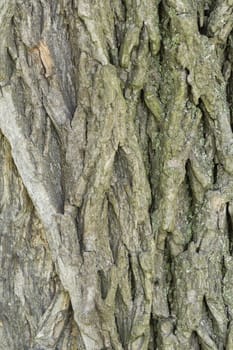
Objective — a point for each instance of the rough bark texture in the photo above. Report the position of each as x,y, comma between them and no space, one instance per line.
116,163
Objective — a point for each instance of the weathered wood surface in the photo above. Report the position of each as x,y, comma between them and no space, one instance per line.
116,174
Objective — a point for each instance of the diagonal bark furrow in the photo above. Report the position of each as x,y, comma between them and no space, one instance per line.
28,263
41,174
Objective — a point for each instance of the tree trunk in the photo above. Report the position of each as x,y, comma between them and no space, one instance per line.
116,163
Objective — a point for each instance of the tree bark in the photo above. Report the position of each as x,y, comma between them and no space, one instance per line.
116,163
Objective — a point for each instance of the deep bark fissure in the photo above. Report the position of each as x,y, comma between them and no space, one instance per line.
229,229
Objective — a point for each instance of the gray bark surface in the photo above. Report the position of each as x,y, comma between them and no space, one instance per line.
116,175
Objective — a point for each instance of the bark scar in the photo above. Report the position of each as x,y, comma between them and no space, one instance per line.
42,50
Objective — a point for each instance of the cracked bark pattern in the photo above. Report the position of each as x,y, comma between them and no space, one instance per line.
116,163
